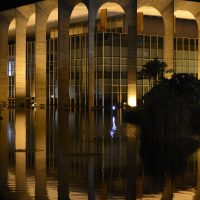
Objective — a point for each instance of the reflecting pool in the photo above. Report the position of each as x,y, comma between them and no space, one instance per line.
53,154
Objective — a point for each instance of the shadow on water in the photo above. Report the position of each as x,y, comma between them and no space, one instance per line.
169,128
166,159
165,148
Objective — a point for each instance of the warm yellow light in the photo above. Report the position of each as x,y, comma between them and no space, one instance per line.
147,10
182,14
132,101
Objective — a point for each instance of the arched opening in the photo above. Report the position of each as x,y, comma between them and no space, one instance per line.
150,43
150,17
30,58
78,55
185,43
52,57
111,56
11,62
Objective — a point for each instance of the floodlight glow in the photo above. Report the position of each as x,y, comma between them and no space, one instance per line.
132,101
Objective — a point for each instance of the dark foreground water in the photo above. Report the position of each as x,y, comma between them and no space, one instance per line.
50,155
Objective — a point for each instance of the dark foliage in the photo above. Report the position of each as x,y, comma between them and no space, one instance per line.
168,107
166,159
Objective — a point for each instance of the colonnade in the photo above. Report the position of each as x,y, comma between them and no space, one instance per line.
42,11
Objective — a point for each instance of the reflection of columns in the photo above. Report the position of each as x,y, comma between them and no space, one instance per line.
91,30
197,195
91,152
40,55
64,13
131,164
62,156
21,23
131,13
168,17
3,153
40,155
168,189
3,59
20,146
103,192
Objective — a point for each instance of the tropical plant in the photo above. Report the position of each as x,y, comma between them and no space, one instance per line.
154,71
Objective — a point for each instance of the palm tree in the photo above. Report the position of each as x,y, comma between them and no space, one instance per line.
153,70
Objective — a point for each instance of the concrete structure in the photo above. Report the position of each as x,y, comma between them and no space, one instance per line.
87,53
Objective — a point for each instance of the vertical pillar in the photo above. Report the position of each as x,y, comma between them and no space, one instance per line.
91,34
63,52
198,23
131,12
3,59
40,55
168,17
91,152
21,23
40,155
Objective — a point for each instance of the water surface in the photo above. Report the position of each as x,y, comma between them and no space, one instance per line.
51,154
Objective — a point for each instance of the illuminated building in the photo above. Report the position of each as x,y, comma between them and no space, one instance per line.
88,54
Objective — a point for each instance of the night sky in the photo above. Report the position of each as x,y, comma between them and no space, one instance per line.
8,4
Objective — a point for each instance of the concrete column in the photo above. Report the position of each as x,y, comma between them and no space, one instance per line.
40,55
21,23
91,33
131,17
3,59
168,18
64,13
198,23
40,155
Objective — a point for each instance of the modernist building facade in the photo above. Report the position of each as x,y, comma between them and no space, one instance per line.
88,53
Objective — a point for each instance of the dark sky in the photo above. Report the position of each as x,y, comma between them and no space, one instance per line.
7,4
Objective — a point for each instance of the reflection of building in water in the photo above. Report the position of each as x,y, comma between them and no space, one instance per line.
36,160
36,168
96,58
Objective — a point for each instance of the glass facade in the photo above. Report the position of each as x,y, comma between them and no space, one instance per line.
11,71
148,48
111,55
186,55
78,69
52,71
111,62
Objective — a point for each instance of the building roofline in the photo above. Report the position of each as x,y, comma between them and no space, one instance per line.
10,4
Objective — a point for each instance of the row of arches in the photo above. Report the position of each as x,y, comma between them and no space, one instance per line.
81,11
105,11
